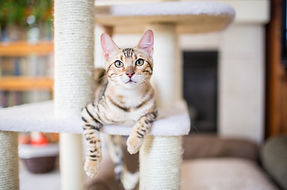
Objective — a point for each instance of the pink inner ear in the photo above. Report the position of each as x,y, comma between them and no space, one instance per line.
108,45
146,42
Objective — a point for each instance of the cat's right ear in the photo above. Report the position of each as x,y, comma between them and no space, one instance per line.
108,45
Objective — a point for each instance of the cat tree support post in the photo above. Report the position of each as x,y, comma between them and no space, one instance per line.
160,156
9,178
74,58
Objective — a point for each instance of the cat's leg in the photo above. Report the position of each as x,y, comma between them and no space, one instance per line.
91,128
139,131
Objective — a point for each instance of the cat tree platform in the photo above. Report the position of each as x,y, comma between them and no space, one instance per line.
189,17
41,117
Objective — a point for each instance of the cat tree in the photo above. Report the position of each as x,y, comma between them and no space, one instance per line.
160,155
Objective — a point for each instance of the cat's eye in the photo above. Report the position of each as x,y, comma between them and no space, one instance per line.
118,64
139,62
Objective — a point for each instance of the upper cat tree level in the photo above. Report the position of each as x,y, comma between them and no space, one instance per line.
191,17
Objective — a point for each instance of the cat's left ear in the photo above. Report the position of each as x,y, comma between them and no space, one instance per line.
146,43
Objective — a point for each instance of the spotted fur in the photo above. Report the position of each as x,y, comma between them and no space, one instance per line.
124,96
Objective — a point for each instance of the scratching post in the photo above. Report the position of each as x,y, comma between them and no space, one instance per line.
160,159
9,178
74,58
160,156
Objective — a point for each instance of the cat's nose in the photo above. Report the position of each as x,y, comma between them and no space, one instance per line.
130,73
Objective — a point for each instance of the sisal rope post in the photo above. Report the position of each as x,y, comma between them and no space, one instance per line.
74,59
160,157
9,178
160,160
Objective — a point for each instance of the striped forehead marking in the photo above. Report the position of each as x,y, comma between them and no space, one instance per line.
128,52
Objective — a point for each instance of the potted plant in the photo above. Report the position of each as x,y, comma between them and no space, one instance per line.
17,16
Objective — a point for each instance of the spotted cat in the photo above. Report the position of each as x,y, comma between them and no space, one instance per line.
124,96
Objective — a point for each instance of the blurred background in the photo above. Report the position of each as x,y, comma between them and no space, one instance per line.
234,81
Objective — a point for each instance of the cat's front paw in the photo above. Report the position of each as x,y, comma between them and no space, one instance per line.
92,167
134,143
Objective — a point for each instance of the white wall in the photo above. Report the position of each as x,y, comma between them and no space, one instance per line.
241,82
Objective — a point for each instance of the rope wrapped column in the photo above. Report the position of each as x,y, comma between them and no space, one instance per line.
9,178
74,58
160,160
160,157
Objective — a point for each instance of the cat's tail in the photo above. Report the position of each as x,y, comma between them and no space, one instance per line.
116,153
99,75
128,179
101,82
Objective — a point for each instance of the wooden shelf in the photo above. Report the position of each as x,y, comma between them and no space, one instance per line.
26,83
23,48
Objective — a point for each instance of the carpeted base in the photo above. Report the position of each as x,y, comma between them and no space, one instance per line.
223,174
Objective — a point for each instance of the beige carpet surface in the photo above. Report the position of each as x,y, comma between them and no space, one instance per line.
223,174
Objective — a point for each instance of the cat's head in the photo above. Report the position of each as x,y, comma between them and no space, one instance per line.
129,67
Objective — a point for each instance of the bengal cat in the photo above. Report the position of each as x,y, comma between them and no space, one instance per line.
124,96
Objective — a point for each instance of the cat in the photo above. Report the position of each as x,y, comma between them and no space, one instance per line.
124,96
